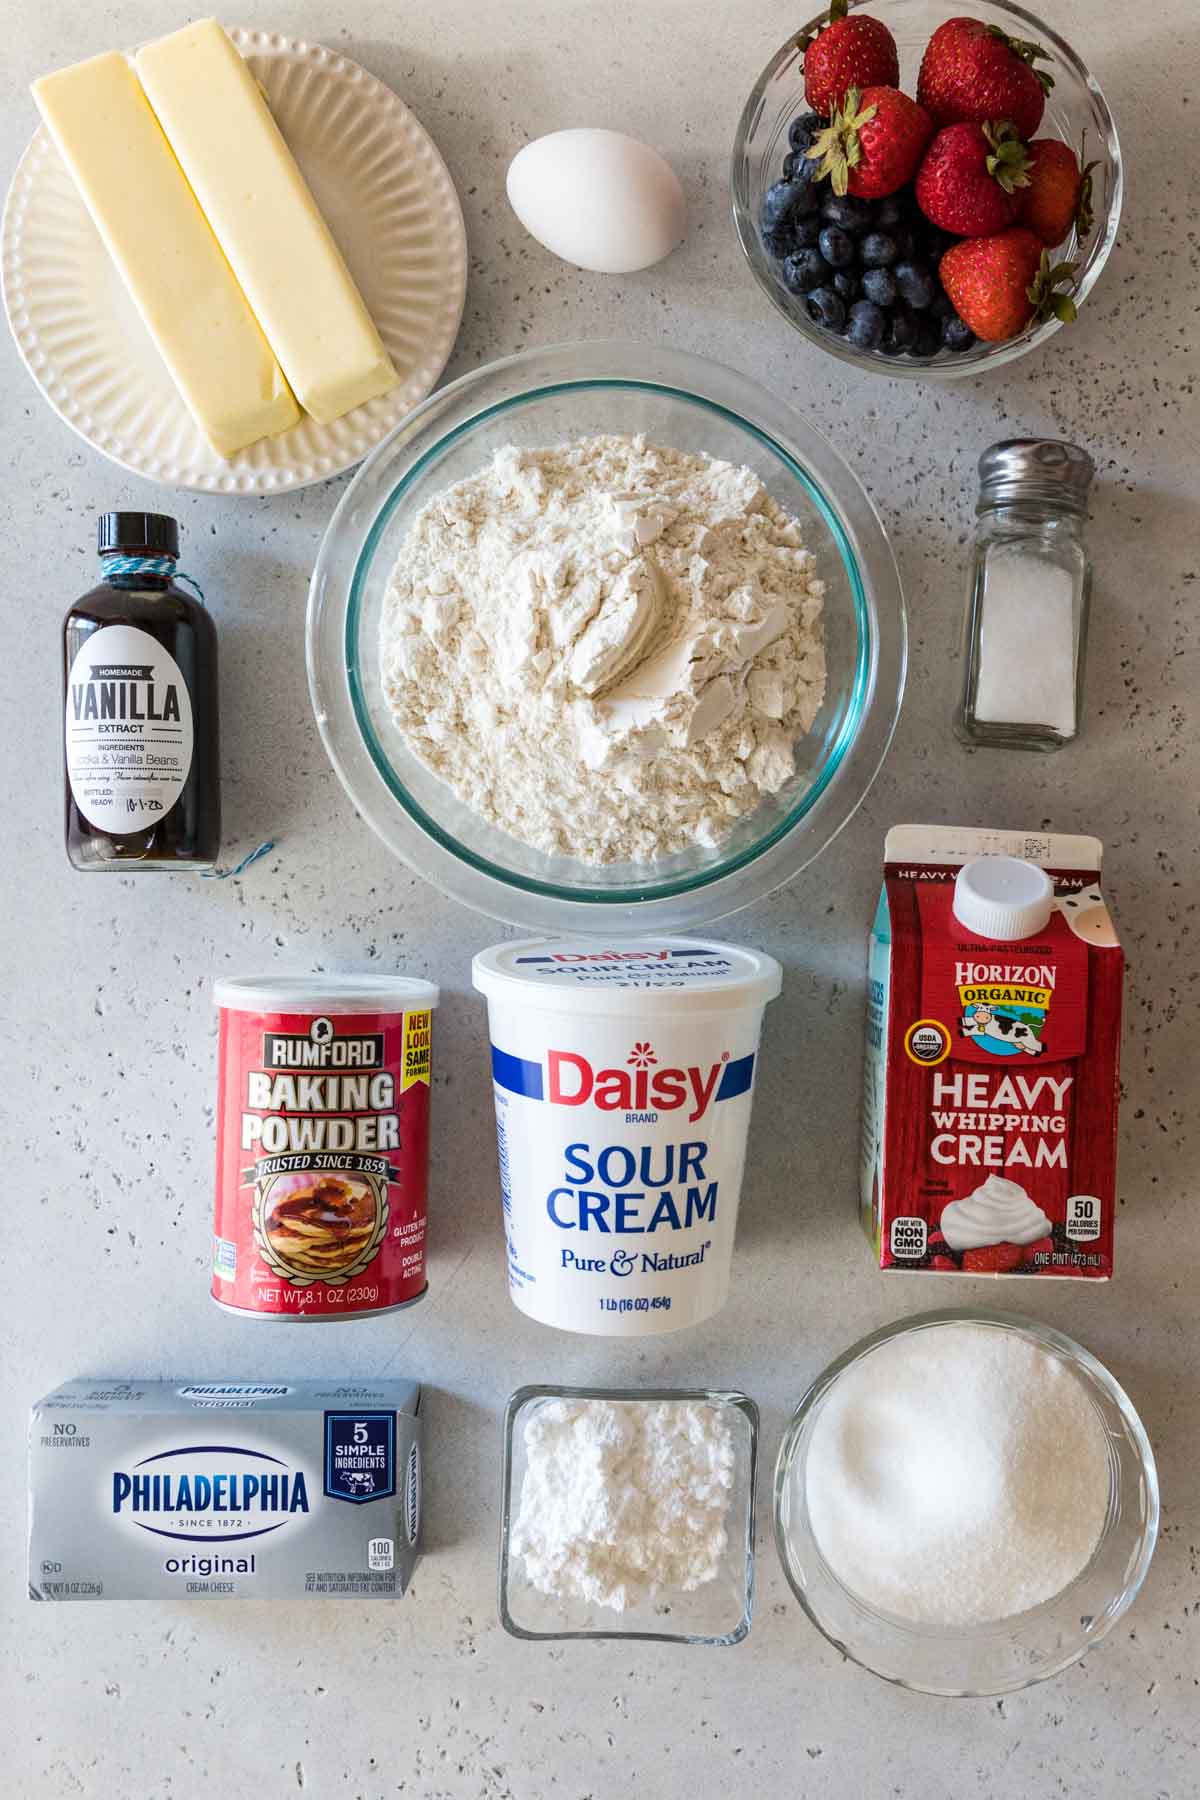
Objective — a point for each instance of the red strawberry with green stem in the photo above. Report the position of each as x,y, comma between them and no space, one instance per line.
854,52
970,179
1001,284
1058,194
873,142
972,72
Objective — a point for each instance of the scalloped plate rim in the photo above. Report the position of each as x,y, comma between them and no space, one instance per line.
287,476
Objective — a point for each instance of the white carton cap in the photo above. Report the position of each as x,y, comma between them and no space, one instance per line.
325,993
661,977
1003,898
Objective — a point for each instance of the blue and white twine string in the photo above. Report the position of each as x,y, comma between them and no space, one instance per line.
149,565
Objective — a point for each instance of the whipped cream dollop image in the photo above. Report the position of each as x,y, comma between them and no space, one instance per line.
999,1212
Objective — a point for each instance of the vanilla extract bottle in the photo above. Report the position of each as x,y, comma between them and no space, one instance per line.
141,737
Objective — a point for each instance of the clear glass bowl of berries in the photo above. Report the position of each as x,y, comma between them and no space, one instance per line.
926,193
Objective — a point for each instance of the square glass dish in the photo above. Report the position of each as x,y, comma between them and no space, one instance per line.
716,1612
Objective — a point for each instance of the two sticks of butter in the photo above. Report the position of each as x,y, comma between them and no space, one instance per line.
214,230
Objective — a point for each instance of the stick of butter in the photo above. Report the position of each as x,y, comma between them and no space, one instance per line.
165,250
266,220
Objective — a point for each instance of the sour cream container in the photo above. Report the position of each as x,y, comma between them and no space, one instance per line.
623,1077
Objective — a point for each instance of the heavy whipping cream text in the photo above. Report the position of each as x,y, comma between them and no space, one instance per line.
995,1122
621,1149
993,1028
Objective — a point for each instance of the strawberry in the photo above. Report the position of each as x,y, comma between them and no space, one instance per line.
992,1259
1058,194
945,1265
858,52
873,142
972,72
999,285
968,182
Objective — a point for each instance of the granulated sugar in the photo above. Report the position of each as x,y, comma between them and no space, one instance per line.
956,1475
624,1500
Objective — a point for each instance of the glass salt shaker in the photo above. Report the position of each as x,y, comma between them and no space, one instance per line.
1027,613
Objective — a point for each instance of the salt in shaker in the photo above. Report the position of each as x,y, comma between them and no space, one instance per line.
1027,613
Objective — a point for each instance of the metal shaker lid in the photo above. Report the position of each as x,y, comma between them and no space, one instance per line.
1044,469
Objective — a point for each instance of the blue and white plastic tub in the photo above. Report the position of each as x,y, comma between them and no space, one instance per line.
623,1076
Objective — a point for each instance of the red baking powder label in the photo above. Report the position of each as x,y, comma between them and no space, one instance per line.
990,1106
322,1162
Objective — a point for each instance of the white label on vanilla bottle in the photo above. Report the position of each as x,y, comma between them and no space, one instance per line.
128,729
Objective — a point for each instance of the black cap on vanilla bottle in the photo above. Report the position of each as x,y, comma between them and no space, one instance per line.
137,534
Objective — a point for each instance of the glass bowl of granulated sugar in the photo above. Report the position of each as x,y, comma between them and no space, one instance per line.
606,633
628,1513
966,1502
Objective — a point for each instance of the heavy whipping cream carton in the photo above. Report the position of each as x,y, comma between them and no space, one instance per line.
143,1490
623,1077
993,1034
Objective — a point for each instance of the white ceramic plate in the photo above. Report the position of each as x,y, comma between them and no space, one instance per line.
391,205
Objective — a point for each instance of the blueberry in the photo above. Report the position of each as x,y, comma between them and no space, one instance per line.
942,306
827,308
846,285
836,247
847,211
888,211
806,231
799,166
915,284
956,335
803,270
808,170
876,250
879,285
782,204
905,239
928,340
900,333
804,129
865,330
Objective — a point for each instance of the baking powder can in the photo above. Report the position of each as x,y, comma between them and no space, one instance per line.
322,1145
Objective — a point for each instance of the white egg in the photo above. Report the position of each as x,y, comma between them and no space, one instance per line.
598,199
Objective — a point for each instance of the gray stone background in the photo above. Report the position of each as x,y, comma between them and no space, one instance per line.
109,1032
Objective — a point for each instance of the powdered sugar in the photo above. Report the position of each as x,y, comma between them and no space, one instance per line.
608,649
957,1474
623,1500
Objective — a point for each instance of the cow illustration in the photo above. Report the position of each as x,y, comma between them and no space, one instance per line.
1008,1035
1088,917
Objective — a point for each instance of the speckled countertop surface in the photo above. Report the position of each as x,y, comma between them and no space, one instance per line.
109,1033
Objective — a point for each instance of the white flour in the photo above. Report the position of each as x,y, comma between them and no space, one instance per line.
957,1475
623,1500
607,649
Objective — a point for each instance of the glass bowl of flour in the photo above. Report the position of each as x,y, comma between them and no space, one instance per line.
628,1513
606,632
966,1502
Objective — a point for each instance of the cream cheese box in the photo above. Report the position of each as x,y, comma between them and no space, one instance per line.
143,1490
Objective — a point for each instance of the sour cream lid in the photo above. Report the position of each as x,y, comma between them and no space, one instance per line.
325,993
662,977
